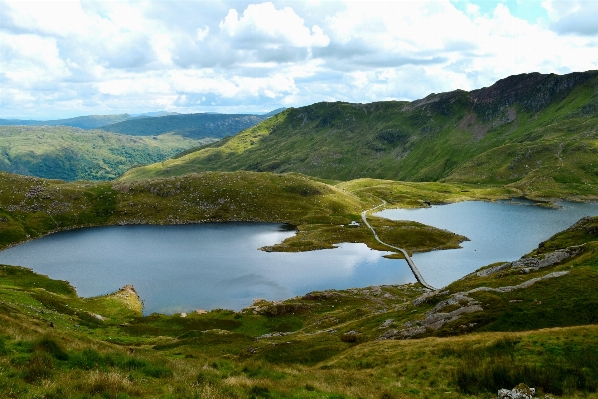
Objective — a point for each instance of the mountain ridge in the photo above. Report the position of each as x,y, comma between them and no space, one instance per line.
83,122
432,139
196,126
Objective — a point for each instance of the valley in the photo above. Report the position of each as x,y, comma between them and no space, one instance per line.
74,154
317,168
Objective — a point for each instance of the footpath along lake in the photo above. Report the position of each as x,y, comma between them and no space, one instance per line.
499,231
208,266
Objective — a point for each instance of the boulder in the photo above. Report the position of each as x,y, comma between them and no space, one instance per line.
521,391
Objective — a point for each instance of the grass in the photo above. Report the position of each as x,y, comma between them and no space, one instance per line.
33,207
564,369
323,345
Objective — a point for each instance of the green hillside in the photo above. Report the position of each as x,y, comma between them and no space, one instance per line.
496,328
196,126
74,154
83,122
32,207
533,131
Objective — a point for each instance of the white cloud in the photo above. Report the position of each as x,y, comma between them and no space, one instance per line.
264,25
71,58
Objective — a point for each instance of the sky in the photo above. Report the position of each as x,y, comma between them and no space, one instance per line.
61,59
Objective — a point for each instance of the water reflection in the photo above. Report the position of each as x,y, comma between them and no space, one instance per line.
498,232
181,268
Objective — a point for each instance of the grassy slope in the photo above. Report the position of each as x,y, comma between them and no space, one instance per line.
329,349
74,154
32,207
543,140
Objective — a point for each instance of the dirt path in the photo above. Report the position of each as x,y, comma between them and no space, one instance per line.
414,269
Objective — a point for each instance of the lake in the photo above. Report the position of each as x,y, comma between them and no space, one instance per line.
204,266
218,265
499,231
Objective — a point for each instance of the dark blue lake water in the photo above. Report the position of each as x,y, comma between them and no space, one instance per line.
499,231
206,266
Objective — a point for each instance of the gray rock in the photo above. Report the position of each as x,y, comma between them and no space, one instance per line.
525,284
387,323
428,295
437,320
493,269
521,391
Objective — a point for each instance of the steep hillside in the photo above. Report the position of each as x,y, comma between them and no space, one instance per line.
196,126
60,152
83,122
530,130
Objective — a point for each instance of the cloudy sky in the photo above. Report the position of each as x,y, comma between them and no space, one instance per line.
70,58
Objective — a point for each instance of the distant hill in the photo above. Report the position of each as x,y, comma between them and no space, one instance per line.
67,153
195,126
154,114
526,130
83,122
274,112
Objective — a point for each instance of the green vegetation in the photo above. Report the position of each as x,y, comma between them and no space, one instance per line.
73,154
535,133
531,321
329,344
32,207
195,126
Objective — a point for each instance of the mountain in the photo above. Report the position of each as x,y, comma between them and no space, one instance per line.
154,114
196,126
527,130
83,122
67,153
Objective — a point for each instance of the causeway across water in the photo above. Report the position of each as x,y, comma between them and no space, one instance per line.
416,272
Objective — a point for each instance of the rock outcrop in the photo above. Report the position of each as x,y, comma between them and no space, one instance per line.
461,303
521,391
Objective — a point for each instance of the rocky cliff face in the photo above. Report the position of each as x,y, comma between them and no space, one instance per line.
532,91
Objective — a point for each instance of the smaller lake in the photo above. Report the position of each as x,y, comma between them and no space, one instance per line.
499,231
205,266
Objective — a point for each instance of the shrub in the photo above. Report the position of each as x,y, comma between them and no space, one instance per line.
157,371
556,374
259,392
50,347
40,366
86,360
206,378
3,348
